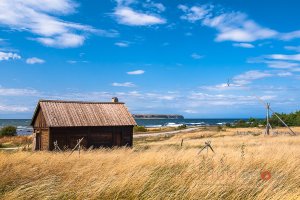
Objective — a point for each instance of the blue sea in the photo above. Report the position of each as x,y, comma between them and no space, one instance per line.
24,128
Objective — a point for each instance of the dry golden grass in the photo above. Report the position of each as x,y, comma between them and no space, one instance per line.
160,169
15,141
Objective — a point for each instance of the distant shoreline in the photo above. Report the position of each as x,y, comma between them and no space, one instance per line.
157,116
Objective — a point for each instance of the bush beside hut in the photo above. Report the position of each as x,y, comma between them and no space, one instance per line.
8,131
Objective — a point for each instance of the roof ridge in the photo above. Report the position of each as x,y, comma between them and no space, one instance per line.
83,102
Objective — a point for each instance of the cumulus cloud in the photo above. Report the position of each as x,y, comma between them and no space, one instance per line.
128,16
136,72
9,56
34,60
125,84
125,14
243,45
231,25
41,17
62,41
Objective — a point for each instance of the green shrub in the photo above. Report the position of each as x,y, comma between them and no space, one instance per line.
139,129
228,124
183,126
8,131
219,128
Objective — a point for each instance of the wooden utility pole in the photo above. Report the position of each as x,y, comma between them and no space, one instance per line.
268,126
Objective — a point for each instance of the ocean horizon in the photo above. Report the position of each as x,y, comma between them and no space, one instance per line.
24,128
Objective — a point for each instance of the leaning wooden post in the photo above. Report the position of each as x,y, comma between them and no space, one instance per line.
78,143
207,145
293,133
268,116
79,149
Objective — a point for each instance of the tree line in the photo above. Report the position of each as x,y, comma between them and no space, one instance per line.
291,119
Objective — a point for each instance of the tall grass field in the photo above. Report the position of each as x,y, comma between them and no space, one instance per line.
244,166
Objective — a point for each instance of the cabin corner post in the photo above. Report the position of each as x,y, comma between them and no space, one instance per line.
131,136
34,140
50,138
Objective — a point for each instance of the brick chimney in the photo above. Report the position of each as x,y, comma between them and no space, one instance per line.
115,100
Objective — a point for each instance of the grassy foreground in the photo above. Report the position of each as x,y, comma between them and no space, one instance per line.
242,167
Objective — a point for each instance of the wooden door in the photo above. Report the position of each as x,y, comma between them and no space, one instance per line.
117,139
38,141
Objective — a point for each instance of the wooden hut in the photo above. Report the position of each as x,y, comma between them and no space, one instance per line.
100,124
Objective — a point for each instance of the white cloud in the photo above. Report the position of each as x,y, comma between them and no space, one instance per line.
9,56
72,61
76,61
204,99
13,108
62,41
250,76
128,16
194,13
125,84
122,44
277,61
232,26
294,57
293,48
191,111
196,56
35,60
41,17
158,96
290,35
243,45
17,92
212,103
136,72
224,86
241,81
159,7
281,64
284,74
125,2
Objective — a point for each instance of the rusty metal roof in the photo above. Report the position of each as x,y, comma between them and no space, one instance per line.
80,113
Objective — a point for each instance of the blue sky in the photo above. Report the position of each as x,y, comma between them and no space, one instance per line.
160,56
